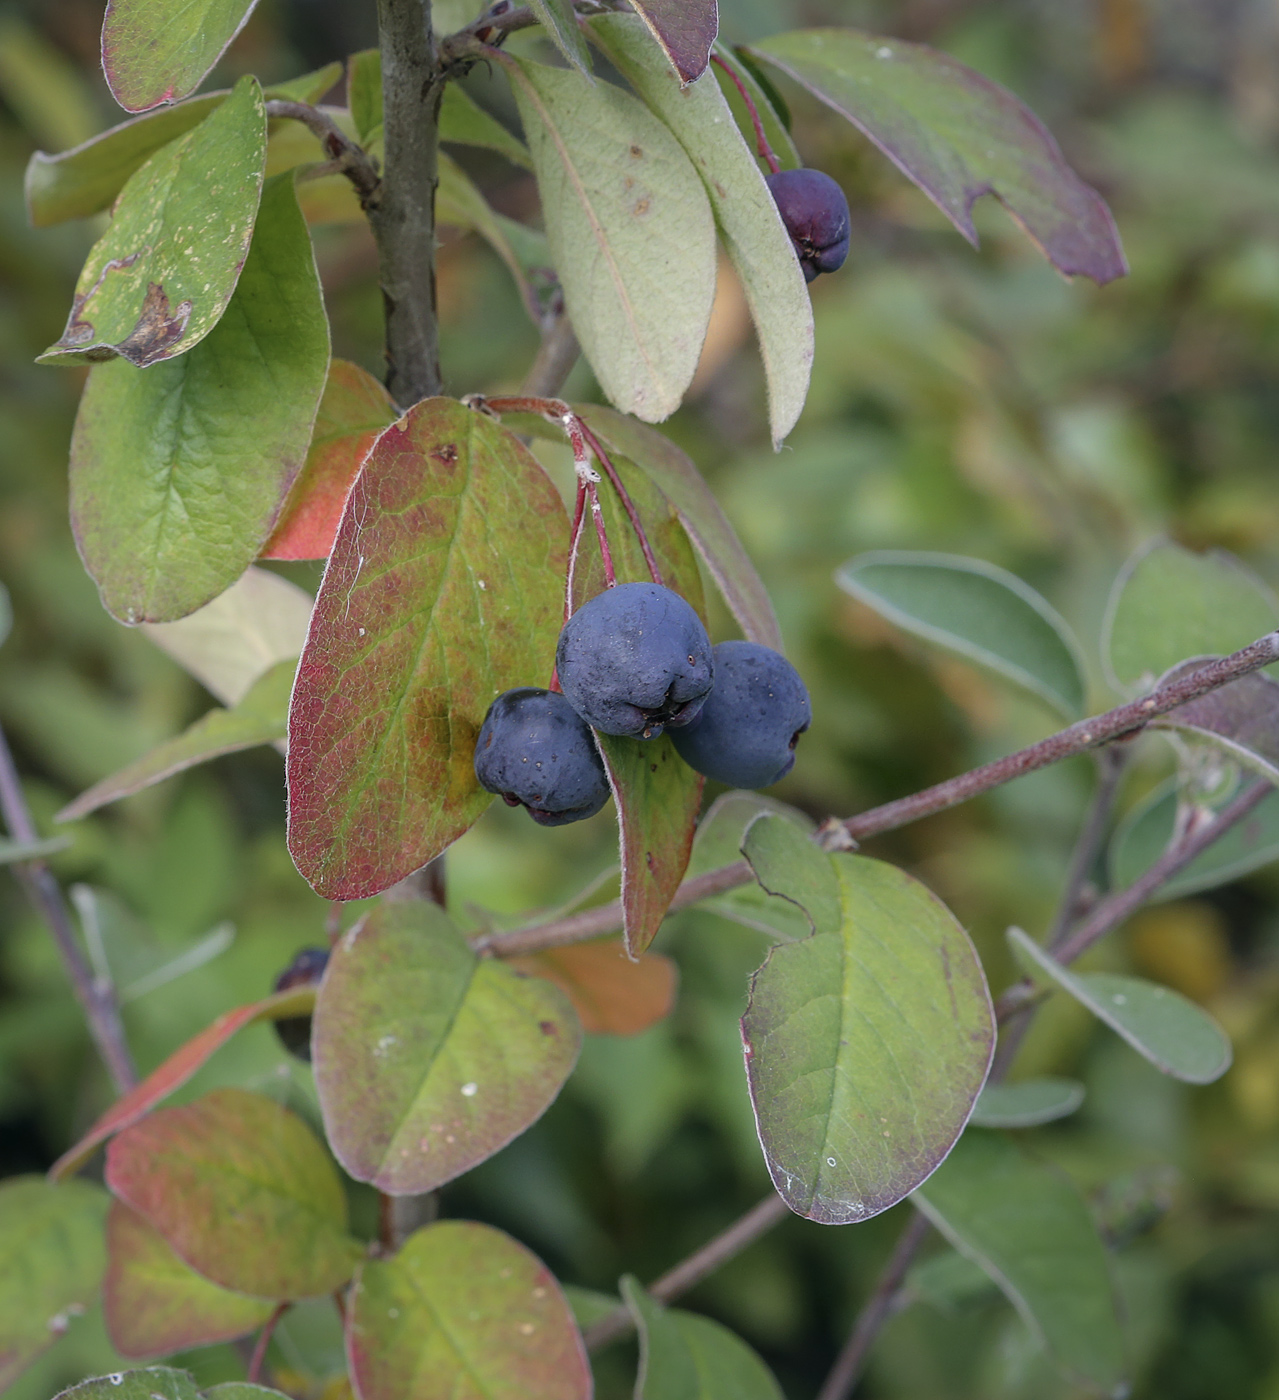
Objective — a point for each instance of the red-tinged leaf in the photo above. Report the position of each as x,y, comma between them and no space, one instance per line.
462,1312
165,1079
444,589
714,538
611,994
427,1058
154,51
154,1303
957,136
242,1190
658,797
686,29
354,410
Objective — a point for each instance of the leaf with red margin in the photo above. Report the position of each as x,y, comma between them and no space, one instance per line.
685,29
428,1059
464,1311
154,51
167,1078
611,994
957,136
354,410
243,1191
444,588
154,1303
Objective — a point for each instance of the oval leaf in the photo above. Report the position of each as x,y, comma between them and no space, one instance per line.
463,1310
631,233
427,1058
160,278
560,22
1028,1104
866,1047
611,994
155,1383
1242,718
750,226
787,863
452,532
242,1190
1169,603
957,136
154,52
51,1263
1029,1229
465,122
984,613
161,521
1174,1034
154,1303
685,29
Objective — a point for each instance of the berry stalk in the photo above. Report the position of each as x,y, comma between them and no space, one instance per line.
761,141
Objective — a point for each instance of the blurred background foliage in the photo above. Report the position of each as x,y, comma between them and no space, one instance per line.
971,402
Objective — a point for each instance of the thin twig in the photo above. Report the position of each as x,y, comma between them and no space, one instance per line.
715,1252
601,533
264,1340
1111,762
633,515
95,995
761,141
556,356
1078,738
348,157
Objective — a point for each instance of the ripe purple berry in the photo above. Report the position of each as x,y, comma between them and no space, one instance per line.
305,970
746,733
634,660
815,213
536,753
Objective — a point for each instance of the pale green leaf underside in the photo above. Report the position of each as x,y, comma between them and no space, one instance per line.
1028,1104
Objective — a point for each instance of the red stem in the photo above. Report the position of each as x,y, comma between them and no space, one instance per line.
761,141
610,577
264,1340
628,505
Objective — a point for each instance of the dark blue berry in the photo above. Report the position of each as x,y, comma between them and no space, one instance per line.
815,213
634,660
746,733
304,971
536,753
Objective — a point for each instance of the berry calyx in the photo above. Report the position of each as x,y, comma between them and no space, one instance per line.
305,970
746,733
815,212
534,752
635,660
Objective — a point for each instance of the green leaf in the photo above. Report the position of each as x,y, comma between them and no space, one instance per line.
260,718
229,643
957,136
866,1048
982,612
6,614
364,91
766,102
589,1306
154,1303
11,852
154,52
1174,1034
179,472
1169,603
458,201
1241,718
1028,1104
559,20
699,512
686,31
464,1311
788,864
631,232
1143,836
465,122
51,1263
429,1059
310,87
155,1383
686,1357
242,1190
44,88
452,533
1028,1228
751,228
159,280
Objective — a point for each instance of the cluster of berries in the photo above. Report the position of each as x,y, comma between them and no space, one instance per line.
636,661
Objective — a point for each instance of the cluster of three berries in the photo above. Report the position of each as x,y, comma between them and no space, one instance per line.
636,661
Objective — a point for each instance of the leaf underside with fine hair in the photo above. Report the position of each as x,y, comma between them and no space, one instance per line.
154,52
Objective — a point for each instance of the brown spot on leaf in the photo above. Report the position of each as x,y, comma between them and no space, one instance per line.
159,327
648,860
637,151
446,455
547,1028
641,207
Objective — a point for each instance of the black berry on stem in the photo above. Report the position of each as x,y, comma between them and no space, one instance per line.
305,970
816,216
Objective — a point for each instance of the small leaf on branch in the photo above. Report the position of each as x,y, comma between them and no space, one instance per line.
1028,1228
155,1303
1241,718
51,1263
161,276
174,1072
611,994
11,852
786,863
559,20
983,613
1028,1104
178,472
458,201
631,232
866,1047
354,410
443,589
463,1310
957,136
242,1190
154,52
427,1058
465,122
685,29
364,91
1174,1034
